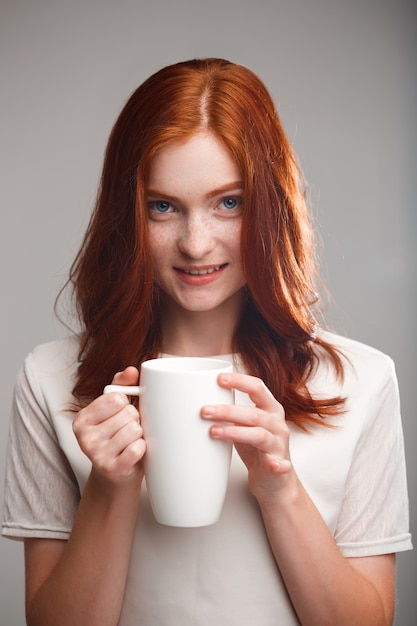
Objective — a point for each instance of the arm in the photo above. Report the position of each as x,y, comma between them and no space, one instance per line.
324,586
82,581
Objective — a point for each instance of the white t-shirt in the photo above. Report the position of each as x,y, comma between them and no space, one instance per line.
225,573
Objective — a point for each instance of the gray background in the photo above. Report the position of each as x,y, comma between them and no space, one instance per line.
343,75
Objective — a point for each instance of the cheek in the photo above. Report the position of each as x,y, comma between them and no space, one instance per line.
159,240
233,239
156,244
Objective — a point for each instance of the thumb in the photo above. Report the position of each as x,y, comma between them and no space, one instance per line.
129,376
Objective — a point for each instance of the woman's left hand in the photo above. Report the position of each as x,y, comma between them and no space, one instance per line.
260,433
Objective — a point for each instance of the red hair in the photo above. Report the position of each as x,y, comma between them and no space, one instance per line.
112,275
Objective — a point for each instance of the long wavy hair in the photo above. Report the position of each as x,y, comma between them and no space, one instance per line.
112,275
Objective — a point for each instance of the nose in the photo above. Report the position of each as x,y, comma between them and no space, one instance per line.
196,239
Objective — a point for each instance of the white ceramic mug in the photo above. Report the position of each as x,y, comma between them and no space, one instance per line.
186,470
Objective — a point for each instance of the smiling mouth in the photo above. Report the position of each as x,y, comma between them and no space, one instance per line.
202,272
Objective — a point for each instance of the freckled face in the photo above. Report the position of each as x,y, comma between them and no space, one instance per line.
194,196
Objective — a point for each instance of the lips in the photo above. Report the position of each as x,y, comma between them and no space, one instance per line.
203,271
199,276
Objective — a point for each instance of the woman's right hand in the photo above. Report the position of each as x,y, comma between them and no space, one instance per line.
109,433
63,586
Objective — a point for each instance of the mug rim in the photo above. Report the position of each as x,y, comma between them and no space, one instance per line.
182,364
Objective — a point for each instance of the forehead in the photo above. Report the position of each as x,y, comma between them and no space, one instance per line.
200,159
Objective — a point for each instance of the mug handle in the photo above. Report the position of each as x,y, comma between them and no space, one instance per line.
129,391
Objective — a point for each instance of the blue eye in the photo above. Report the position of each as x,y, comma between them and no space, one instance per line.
162,206
230,202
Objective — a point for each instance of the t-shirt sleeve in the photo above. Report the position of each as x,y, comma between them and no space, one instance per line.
41,492
374,517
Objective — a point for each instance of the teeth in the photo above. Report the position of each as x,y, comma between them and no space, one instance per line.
202,272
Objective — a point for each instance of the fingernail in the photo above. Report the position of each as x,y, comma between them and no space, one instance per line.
216,431
208,411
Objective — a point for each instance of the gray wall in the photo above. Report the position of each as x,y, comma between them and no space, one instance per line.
343,75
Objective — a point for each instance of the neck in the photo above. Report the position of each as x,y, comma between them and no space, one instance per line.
201,333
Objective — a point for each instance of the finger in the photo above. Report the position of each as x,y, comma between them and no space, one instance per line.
123,465
125,382
258,437
231,413
129,376
94,435
132,454
253,386
124,437
274,452
246,416
279,466
110,427
101,409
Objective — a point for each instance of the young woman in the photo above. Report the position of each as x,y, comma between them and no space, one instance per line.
201,245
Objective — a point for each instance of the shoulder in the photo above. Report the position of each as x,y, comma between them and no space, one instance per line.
360,359
61,354
355,348
368,373
51,368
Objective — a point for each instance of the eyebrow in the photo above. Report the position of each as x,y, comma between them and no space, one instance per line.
234,186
